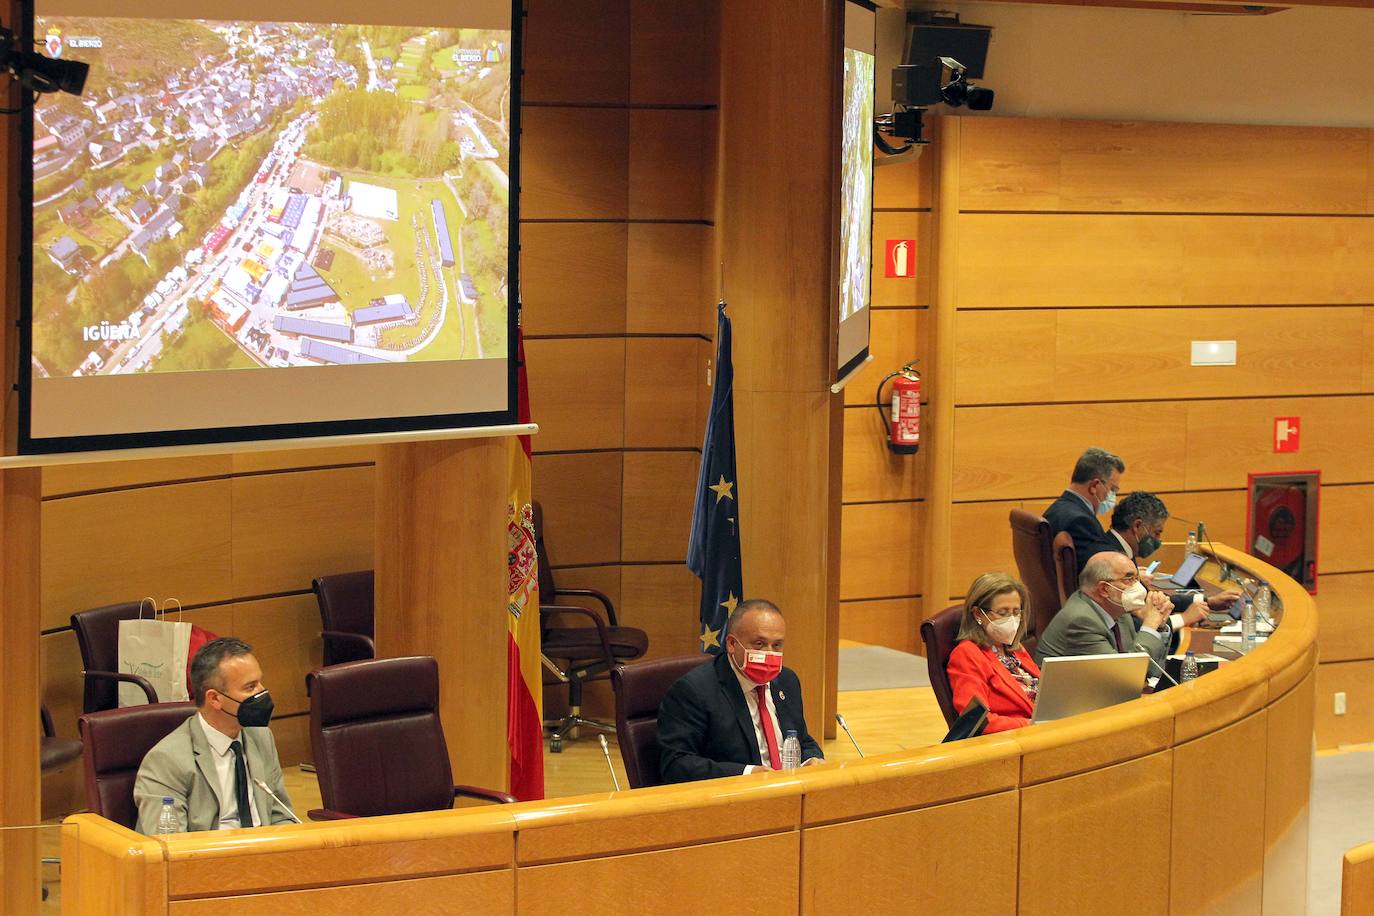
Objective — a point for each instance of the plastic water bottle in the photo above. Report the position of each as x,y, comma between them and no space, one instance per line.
1247,624
1188,672
1264,598
167,821
1192,542
791,750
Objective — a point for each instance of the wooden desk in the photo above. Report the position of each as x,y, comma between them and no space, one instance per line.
1064,817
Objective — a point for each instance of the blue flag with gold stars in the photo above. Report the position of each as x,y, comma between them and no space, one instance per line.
713,551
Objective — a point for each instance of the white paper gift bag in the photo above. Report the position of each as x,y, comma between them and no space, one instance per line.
154,649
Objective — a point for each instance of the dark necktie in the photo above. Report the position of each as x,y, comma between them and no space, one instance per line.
766,721
241,785
1116,631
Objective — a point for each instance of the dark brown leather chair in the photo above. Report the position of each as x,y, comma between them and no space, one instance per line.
1065,566
346,612
940,633
116,741
55,753
574,655
639,688
379,746
1033,547
97,635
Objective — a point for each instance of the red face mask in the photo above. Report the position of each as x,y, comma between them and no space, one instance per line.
762,667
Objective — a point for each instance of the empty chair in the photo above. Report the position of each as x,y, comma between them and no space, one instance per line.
1033,547
940,633
639,688
346,612
97,635
116,741
55,753
378,743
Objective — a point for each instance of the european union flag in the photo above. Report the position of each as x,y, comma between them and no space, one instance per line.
713,551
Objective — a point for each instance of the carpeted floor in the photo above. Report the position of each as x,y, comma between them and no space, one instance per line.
880,668
1342,816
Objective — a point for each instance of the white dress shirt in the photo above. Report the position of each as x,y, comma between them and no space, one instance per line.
751,699
224,769
1175,620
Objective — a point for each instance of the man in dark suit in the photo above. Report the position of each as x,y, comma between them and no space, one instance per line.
730,717
1092,492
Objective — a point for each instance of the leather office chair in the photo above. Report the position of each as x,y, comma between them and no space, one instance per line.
378,744
573,655
1034,550
116,741
1065,566
940,633
346,612
639,689
97,635
55,753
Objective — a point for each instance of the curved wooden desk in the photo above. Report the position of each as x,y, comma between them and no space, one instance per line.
1192,800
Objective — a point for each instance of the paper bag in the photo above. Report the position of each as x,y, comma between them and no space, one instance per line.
156,650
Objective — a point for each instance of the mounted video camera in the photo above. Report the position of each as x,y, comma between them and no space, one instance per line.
38,73
915,87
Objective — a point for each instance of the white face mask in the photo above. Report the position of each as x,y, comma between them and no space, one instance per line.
1132,597
1002,632
1108,504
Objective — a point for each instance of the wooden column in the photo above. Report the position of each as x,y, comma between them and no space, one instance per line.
441,587
780,72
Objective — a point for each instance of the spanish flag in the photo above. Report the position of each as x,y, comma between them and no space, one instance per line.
524,684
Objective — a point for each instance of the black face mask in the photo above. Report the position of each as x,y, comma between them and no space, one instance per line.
1147,545
256,711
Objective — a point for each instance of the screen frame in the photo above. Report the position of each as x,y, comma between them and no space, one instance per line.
844,370
28,445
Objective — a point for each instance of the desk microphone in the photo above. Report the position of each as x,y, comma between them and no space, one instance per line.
1150,658
844,725
606,749
262,785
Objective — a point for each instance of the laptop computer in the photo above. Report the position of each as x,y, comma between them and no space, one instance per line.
1183,576
1073,684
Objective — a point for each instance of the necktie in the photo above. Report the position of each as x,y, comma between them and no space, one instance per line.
1116,631
766,720
241,785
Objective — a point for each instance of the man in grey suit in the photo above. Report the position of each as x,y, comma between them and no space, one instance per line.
1110,612
209,764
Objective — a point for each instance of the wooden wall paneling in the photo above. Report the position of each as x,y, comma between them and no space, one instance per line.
581,498
1287,789
1007,357
1342,541
577,393
1228,439
671,158
880,553
896,337
1062,828
285,636
574,162
891,622
1353,679
558,37
292,734
573,277
1343,633
1025,452
907,185
914,225
1239,749
1368,377
674,52
62,684
302,458
289,528
954,839
1049,164
1088,261
872,473
59,479
663,376
659,489
119,546
668,264
664,601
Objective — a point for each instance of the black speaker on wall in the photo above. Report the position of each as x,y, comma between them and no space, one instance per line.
932,35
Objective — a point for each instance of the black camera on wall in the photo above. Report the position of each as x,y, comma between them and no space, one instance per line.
38,73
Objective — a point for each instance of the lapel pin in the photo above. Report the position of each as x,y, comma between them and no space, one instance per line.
781,695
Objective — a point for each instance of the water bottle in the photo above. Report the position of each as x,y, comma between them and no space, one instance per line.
791,751
1189,670
1247,623
1263,599
1192,542
167,822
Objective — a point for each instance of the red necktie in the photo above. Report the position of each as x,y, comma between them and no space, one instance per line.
1116,631
766,720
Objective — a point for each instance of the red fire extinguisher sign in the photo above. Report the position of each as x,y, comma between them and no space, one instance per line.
901,258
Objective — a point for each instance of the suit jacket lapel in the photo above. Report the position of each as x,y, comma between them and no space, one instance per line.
205,762
730,686
257,768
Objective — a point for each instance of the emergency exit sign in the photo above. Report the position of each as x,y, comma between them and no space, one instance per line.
1286,433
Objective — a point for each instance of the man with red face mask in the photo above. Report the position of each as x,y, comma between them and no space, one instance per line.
730,717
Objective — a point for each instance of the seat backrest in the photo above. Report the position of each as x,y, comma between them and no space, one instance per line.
940,633
1065,567
97,636
1032,545
379,746
639,688
116,741
546,583
346,604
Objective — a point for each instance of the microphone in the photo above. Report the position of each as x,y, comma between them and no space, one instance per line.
844,725
1151,659
606,749
289,813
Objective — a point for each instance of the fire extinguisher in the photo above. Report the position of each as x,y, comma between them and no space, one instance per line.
904,432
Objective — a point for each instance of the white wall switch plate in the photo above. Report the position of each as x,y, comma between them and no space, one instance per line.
1214,353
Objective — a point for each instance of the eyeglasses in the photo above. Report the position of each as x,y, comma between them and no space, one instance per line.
1129,578
999,615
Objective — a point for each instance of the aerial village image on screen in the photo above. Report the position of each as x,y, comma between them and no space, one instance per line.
253,195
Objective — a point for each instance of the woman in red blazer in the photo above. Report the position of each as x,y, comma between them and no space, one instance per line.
988,661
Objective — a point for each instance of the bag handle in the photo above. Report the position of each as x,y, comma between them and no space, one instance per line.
168,603
151,603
